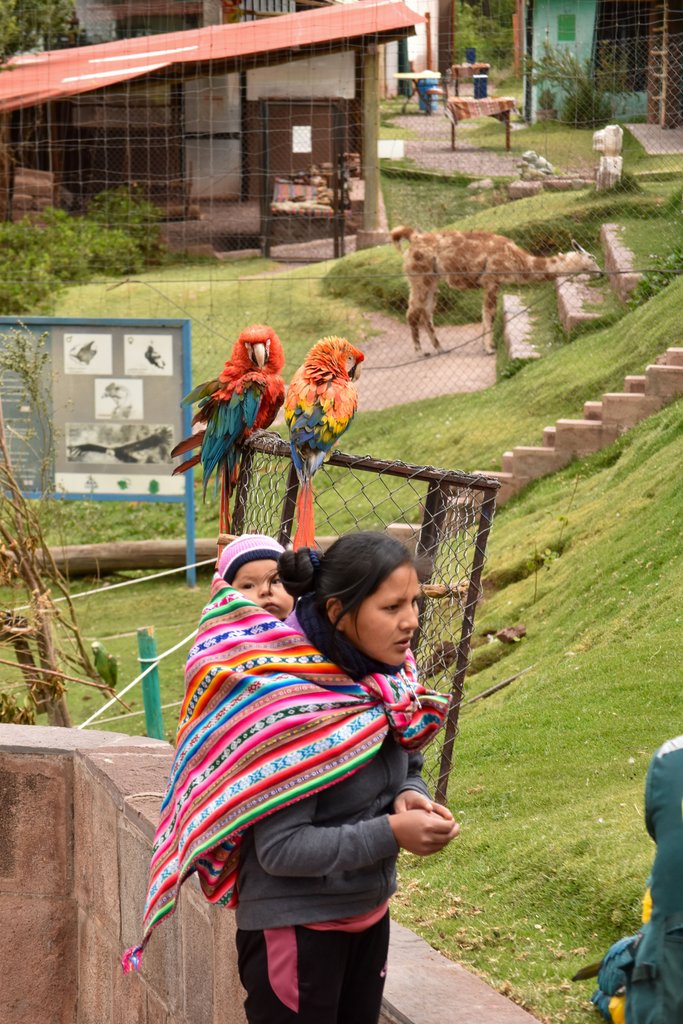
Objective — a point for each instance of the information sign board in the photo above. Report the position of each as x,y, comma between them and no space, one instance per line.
114,393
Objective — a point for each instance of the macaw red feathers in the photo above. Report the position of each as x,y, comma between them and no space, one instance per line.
320,404
245,397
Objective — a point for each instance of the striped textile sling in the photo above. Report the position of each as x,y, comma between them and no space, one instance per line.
266,720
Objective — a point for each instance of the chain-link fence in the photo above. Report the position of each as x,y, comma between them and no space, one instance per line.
443,517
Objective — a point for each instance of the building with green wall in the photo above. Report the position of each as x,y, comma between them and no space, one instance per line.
611,34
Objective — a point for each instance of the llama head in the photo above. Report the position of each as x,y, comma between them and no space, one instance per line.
579,260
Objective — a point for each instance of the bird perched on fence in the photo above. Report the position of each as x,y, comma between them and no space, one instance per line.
105,663
320,404
245,397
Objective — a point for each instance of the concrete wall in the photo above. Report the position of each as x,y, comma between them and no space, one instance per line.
77,817
78,812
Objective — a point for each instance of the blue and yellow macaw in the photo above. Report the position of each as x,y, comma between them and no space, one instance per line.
320,403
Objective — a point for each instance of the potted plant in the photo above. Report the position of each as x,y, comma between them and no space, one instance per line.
546,110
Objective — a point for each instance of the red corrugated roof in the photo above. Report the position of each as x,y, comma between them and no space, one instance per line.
58,73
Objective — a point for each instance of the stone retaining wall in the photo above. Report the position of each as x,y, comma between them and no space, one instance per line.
77,817
78,812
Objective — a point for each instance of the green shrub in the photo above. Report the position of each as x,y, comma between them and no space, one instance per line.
41,255
584,91
665,269
490,36
128,211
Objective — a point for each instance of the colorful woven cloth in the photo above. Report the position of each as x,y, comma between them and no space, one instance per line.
266,720
461,107
291,197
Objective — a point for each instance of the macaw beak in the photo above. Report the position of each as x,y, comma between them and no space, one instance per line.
258,353
354,372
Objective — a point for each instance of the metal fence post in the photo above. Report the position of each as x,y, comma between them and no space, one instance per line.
151,695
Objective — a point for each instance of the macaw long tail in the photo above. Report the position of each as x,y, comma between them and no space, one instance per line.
224,511
305,519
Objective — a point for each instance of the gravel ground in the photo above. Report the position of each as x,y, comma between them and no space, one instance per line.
433,149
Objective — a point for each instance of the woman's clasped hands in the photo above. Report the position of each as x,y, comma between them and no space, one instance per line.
420,825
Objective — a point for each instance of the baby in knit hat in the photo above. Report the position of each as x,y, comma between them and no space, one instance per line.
249,564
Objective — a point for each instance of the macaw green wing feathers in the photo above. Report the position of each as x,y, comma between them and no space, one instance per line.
320,403
244,397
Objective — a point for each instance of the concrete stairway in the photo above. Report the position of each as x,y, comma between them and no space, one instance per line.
603,421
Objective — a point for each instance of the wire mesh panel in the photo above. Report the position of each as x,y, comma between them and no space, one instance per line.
442,516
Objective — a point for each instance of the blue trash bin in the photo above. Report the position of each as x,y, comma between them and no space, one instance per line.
429,104
470,55
481,86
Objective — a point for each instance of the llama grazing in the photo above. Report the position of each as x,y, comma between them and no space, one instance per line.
474,259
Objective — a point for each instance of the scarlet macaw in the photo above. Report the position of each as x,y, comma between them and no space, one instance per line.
245,397
320,404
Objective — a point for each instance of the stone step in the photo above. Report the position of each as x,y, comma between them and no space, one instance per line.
592,410
625,409
508,462
518,326
619,262
509,484
549,437
635,384
666,382
532,463
573,295
582,437
672,357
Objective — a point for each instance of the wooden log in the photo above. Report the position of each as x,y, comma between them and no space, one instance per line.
120,556
123,556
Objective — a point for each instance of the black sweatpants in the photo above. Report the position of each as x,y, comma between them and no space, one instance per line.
301,976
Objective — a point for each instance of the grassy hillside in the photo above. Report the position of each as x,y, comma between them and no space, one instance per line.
548,781
471,431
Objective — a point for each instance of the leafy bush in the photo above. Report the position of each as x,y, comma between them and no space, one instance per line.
129,212
546,99
585,91
38,257
490,36
665,269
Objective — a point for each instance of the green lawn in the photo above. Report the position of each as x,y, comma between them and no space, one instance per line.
569,149
220,299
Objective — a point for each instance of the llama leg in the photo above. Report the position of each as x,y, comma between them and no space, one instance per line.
414,317
418,303
488,315
430,302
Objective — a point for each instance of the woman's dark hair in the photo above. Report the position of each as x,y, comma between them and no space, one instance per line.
354,567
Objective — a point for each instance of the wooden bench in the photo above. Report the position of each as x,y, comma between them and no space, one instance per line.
294,202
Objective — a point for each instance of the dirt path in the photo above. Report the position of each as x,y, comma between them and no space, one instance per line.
394,374
433,148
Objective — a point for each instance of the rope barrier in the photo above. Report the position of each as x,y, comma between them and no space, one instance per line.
125,583
137,679
133,714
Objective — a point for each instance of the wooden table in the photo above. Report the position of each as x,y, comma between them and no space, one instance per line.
459,71
460,108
